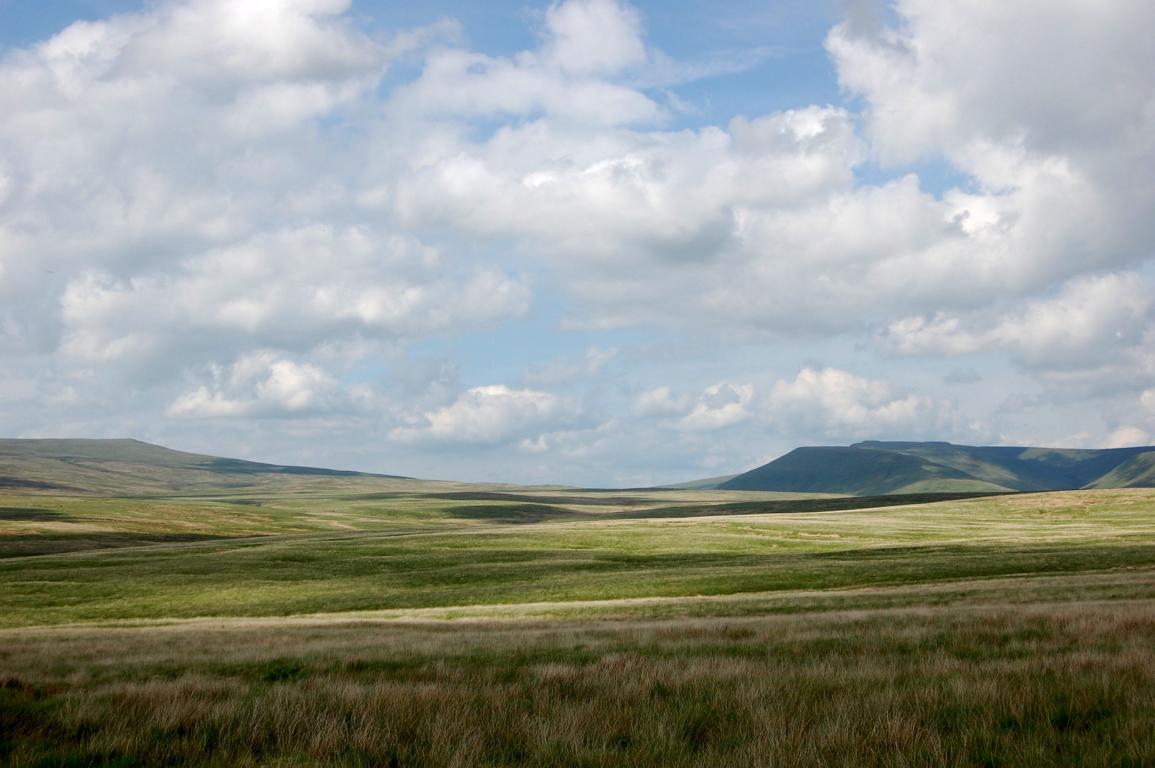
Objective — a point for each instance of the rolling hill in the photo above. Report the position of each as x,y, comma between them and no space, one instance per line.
877,468
131,467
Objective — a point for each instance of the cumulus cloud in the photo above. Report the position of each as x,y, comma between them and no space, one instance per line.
262,384
570,76
218,211
816,402
1128,437
717,406
295,290
660,401
1068,188
488,415
1090,321
760,224
593,36
170,199
660,198
832,402
720,405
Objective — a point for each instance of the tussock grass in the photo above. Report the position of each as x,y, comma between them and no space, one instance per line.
947,686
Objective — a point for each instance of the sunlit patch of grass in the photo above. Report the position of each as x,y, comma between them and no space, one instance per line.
445,563
572,628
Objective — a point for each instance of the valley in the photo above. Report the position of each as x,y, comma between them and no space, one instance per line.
315,617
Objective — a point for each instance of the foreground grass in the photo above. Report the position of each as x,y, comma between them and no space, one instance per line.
967,684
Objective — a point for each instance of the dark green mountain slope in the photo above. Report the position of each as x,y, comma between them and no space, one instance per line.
135,467
1021,468
877,467
858,471
1136,472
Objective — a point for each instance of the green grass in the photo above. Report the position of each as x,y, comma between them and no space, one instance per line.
370,622
1060,684
421,552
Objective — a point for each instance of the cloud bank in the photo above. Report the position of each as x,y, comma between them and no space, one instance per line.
275,228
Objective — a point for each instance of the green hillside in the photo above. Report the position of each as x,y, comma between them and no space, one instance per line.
704,484
878,468
857,471
1021,468
1137,472
131,467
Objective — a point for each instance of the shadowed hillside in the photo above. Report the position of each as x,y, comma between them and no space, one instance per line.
1137,472
135,467
876,468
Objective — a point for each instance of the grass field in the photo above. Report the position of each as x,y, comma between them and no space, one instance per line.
431,624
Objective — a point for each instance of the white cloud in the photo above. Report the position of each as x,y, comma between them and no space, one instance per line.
665,197
720,405
226,211
571,77
660,401
164,165
488,415
833,402
1072,186
261,384
1128,437
593,36
573,368
817,403
458,83
1092,320
761,225
293,290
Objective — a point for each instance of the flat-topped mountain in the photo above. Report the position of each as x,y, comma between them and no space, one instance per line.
877,468
132,466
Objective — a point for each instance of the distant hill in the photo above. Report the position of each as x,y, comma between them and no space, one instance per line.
878,468
135,467
705,484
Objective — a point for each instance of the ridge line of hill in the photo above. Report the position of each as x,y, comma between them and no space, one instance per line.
128,466
876,467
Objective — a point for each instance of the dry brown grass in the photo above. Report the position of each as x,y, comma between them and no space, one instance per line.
957,685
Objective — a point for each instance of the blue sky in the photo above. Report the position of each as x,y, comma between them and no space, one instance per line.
588,242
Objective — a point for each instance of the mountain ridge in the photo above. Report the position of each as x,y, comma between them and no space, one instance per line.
93,465
876,467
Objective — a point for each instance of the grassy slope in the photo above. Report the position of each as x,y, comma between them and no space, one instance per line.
876,467
601,628
131,467
1024,469
1138,472
127,450
858,471
421,551
1024,671
703,484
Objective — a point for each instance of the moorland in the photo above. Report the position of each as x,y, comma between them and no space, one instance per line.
158,607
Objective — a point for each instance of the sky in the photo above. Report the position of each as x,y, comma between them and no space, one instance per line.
589,242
